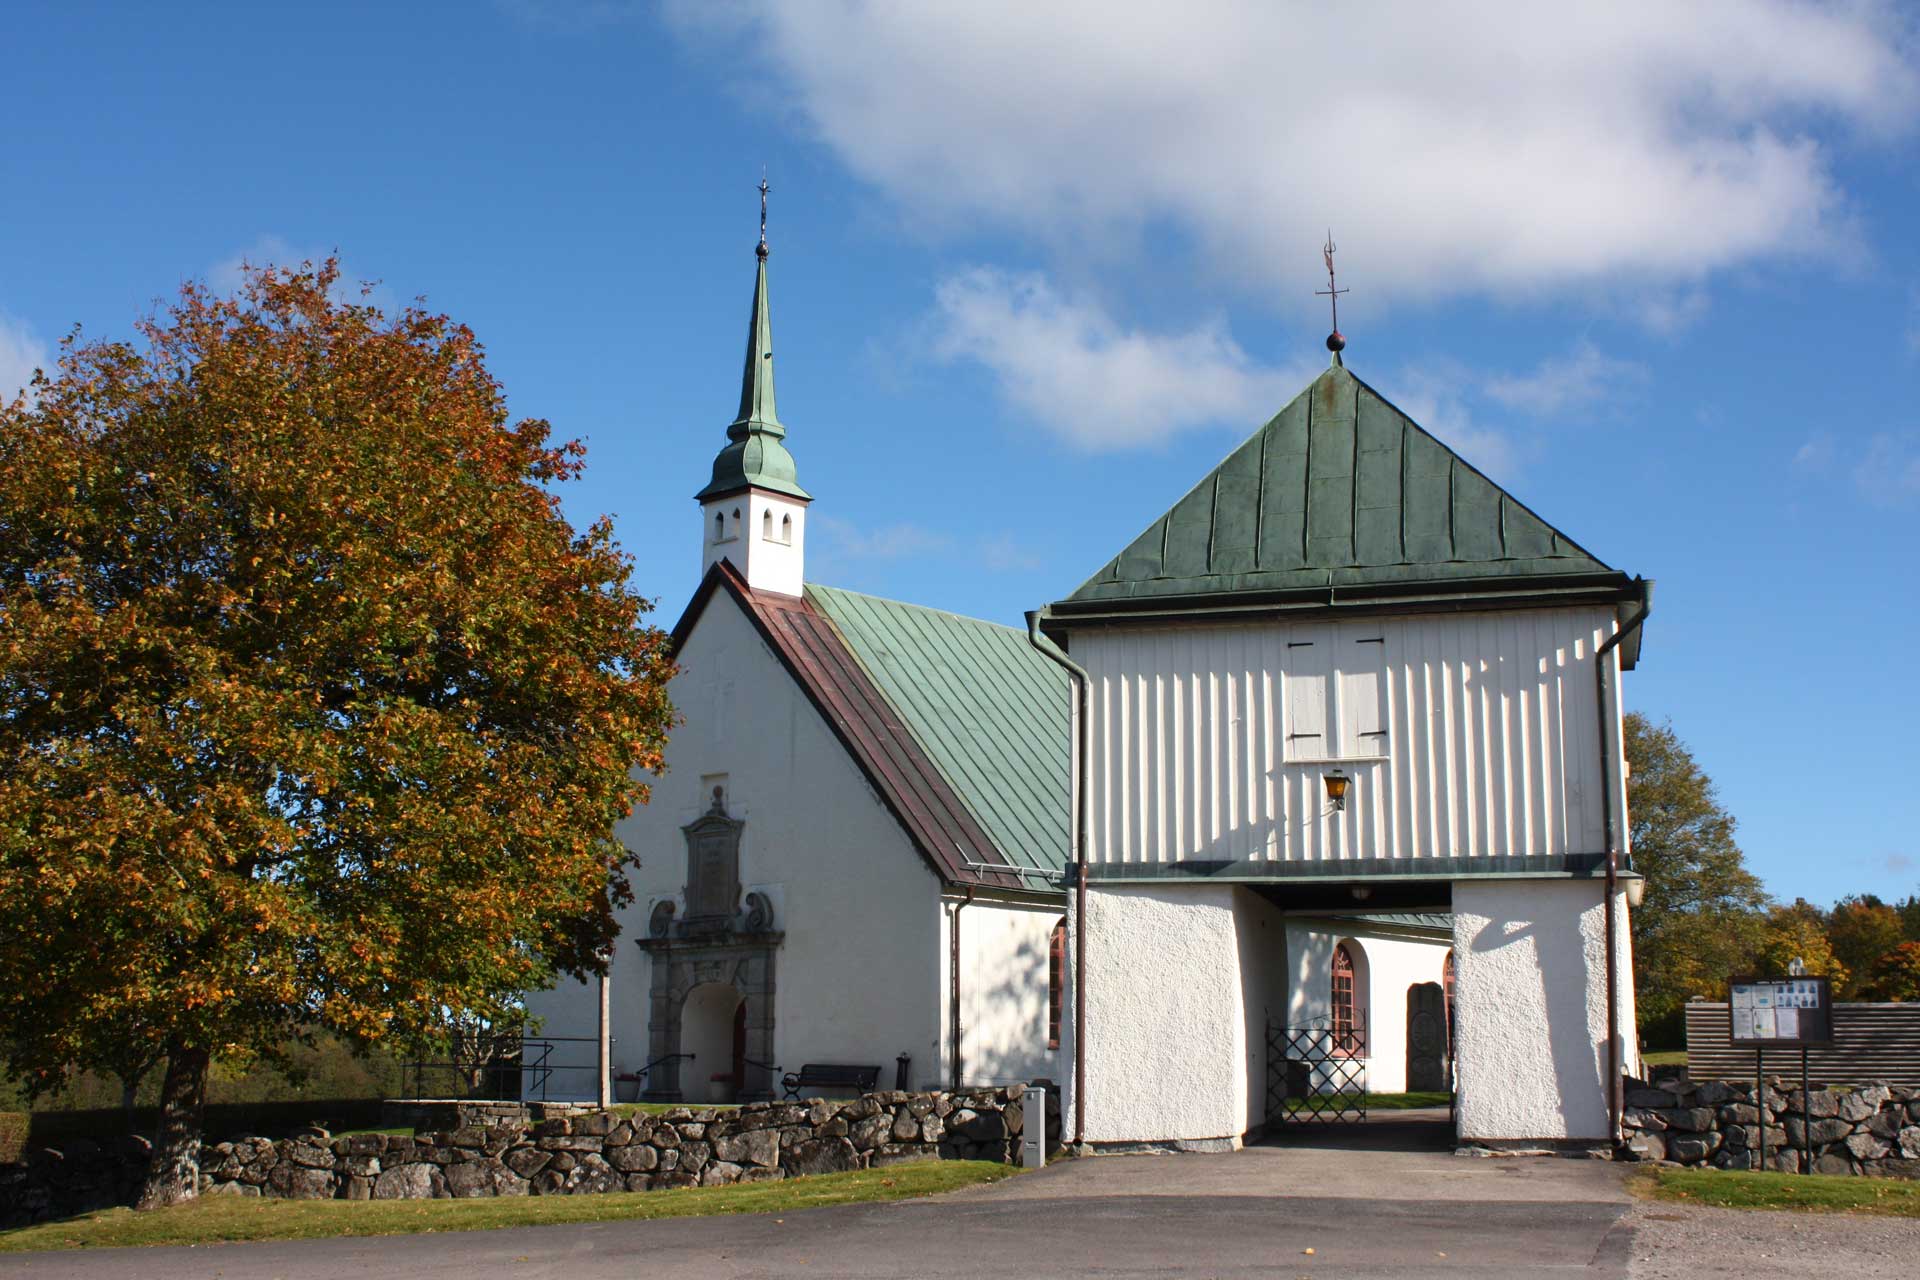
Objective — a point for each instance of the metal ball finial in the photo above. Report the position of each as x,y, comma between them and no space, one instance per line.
1336,341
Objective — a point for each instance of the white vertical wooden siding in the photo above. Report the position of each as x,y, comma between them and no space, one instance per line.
1491,743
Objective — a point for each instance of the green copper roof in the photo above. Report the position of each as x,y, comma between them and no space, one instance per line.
986,707
1340,489
755,455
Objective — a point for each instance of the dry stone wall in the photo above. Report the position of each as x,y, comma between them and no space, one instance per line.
1873,1129
574,1152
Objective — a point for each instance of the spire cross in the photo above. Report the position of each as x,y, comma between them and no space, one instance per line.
1331,293
764,188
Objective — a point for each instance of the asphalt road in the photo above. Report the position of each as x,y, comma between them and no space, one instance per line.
1255,1212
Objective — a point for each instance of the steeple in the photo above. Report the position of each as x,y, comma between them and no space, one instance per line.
753,510
755,456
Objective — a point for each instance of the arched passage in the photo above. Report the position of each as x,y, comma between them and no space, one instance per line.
712,1030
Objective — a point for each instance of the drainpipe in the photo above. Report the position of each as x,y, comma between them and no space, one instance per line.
953,983
1614,1100
1083,753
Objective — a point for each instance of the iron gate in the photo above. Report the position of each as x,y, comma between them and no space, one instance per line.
1316,1074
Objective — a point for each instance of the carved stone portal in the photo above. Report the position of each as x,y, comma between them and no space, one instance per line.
720,940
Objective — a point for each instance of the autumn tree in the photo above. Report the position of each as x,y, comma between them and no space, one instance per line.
1862,928
1700,917
315,715
1798,931
1895,975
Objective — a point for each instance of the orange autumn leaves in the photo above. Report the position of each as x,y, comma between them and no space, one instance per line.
314,712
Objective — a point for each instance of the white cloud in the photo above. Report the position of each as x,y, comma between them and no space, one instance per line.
1504,147
1563,384
1079,373
843,540
21,352
1816,454
1889,469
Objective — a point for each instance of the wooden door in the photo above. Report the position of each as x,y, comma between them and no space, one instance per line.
1426,1038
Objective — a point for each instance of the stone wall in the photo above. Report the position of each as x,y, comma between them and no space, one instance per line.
1873,1129
573,1152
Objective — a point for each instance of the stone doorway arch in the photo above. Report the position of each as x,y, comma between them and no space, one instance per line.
744,962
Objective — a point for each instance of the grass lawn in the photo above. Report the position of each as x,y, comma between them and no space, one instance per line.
213,1220
1819,1193
1405,1101
1666,1058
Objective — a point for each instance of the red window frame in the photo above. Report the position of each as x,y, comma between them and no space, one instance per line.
1345,1040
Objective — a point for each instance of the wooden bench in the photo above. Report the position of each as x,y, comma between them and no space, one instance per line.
830,1075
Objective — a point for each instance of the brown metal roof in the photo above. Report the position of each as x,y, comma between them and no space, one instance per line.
907,781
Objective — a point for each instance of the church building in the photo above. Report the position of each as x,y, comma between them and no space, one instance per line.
1317,788
855,855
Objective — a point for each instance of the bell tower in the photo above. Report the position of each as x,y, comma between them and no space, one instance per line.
753,511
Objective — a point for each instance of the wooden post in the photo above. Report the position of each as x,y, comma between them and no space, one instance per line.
606,1043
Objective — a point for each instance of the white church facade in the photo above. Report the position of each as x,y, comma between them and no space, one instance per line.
1320,779
855,854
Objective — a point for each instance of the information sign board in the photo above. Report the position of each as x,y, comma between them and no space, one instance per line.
1781,1011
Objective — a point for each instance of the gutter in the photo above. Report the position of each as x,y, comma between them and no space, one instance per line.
1083,752
1615,1102
953,981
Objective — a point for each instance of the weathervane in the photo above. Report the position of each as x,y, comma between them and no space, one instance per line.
1335,341
764,188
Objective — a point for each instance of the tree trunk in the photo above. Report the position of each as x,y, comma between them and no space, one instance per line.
174,1175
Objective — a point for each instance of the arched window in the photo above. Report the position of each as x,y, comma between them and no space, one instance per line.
1346,1031
766,524
1056,980
736,522
719,525
786,528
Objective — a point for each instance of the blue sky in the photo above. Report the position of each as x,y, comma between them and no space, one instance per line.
1037,268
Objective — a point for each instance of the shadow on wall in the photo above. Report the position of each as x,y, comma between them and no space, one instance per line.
1008,1052
1566,978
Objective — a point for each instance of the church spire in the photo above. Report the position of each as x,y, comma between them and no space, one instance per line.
755,457
756,380
753,510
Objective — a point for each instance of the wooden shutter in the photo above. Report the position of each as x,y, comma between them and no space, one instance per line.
1308,664
1362,663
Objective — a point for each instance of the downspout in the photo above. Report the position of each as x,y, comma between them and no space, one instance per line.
1083,752
953,982
1614,1100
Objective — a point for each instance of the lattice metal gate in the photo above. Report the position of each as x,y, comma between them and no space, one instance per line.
1316,1074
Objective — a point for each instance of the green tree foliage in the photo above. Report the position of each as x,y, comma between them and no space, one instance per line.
1909,917
1862,929
1701,916
315,714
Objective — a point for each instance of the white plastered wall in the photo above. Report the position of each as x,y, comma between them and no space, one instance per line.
1003,992
1530,1008
1387,961
859,976
1168,1021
